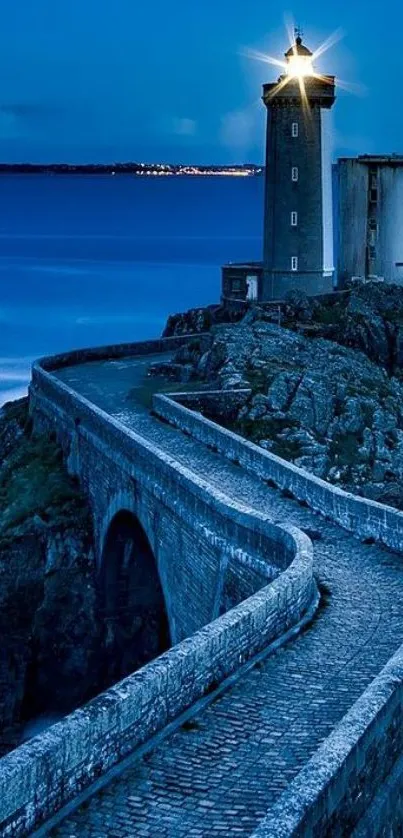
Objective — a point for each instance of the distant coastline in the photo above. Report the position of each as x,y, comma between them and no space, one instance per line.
138,169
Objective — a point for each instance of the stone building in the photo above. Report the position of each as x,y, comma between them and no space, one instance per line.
298,216
369,201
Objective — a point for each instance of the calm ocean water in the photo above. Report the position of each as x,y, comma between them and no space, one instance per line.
92,260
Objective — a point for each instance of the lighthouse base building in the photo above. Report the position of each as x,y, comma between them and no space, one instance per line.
369,218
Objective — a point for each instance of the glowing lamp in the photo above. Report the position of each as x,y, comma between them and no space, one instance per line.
299,60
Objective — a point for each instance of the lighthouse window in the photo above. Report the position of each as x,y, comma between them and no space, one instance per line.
294,173
294,129
294,219
294,263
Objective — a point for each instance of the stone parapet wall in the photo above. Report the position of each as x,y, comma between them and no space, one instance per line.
40,777
334,790
220,403
332,795
111,351
364,517
169,481
43,775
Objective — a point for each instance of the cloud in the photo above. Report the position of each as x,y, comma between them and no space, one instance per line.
353,144
236,129
22,119
9,124
184,127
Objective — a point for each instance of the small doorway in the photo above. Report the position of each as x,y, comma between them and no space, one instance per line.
251,288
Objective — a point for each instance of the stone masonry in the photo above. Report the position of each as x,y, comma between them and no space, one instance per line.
220,773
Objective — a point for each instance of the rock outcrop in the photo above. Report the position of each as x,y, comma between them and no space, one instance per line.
49,622
198,320
326,407
368,317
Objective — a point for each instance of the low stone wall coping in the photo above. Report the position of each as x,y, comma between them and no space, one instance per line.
362,516
319,791
117,350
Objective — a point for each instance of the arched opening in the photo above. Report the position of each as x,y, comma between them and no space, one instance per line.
133,606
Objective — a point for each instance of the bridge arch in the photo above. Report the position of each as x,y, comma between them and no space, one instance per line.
133,606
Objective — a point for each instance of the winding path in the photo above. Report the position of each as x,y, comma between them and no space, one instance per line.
217,775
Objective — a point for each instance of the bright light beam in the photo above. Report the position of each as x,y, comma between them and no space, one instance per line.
300,67
284,80
261,56
290,29
304,98
330,42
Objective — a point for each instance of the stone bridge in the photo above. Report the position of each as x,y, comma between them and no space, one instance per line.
250,712
160,527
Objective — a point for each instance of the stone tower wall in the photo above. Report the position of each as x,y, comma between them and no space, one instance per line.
305,149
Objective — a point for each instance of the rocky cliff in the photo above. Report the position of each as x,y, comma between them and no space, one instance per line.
49,624
332,409
198,320
368,317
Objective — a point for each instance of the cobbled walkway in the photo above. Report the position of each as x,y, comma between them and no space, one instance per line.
217,775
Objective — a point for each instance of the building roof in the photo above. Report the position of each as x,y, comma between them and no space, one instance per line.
298,49
376,159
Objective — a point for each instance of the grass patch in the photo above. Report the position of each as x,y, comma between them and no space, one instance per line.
16,411
268,428
33,481
343,449
331,315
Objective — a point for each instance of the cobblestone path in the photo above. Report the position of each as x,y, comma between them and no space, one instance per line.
217,775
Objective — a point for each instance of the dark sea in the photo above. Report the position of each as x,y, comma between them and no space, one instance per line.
95,260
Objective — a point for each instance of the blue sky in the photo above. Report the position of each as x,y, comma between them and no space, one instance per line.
115,79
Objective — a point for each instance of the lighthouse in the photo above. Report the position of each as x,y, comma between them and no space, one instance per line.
298,214
298,209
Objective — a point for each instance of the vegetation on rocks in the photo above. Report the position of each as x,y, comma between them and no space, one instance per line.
33,480
51,647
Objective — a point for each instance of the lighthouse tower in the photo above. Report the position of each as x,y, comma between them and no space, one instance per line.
298,223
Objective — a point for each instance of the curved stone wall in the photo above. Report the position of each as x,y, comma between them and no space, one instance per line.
333,791
365,518
40,777
111,351
43,775
181,513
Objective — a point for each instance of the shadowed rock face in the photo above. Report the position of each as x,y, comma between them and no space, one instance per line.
51,635
326,407
198,320
66,634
